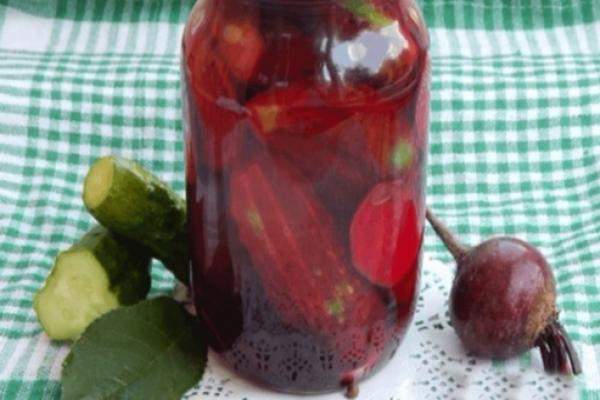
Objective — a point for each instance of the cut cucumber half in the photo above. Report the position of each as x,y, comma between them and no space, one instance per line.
131,201
93,277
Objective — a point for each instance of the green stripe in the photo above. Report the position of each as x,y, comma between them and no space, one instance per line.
48,9
118,10
77,11
98,11
589,395
57,27
530,15
175,15
155,10
39,389
136,9
525,361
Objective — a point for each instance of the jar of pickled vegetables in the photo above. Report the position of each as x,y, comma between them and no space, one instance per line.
306,135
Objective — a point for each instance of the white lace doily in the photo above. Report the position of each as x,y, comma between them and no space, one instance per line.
430,364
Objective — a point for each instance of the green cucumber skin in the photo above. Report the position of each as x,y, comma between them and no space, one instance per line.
127,265
140,207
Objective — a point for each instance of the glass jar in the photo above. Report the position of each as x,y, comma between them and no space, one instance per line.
306,136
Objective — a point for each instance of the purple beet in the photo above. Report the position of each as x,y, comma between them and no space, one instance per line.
503,301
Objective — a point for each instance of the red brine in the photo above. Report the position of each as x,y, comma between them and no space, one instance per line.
385,235
306,134
296,251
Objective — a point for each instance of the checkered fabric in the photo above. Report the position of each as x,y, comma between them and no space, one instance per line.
515,142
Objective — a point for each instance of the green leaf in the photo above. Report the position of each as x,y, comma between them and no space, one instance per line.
364,10
152,350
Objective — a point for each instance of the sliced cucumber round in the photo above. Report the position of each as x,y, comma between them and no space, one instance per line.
98,274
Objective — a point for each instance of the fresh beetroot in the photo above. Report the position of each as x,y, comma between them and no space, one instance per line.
503,301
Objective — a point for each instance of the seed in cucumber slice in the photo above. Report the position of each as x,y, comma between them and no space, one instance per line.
134,203
96,275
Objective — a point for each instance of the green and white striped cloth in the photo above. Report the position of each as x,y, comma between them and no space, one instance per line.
515,142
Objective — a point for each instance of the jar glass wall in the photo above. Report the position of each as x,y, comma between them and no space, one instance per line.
306,136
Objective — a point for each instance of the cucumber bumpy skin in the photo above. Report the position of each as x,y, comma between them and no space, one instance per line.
96,275
131,201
